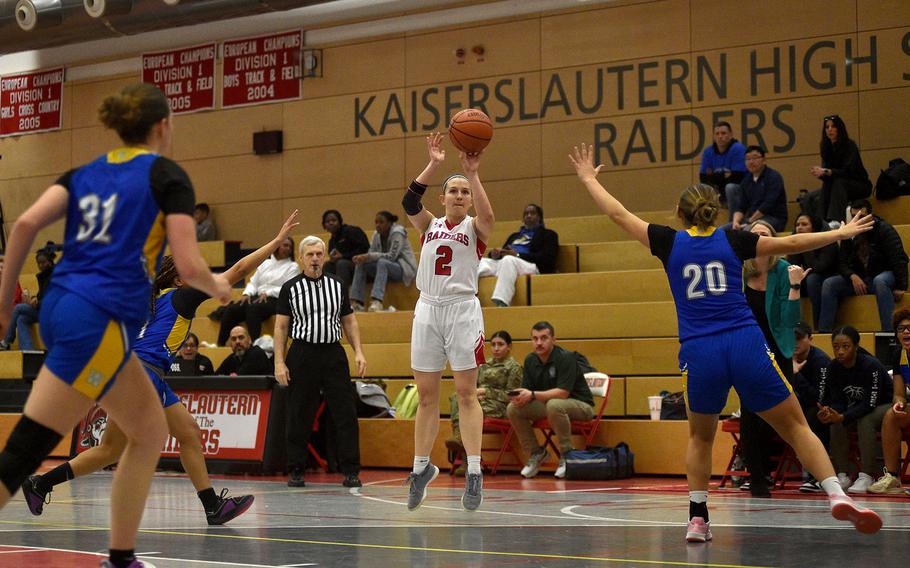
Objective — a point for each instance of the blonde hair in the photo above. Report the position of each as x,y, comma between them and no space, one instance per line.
699,205
134,111
749,267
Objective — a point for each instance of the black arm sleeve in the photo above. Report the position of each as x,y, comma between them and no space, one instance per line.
187,300
171,187
743,243
661,238
345,303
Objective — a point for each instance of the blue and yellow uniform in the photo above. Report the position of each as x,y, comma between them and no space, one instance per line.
902,367
114,239
721,344
164,335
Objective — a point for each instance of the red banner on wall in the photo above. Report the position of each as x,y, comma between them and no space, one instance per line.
187,76
31,102
262,69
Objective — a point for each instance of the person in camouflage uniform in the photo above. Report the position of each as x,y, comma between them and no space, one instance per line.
494,380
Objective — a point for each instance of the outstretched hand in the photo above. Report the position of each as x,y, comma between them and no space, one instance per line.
434,147
583,162
289,225
858,224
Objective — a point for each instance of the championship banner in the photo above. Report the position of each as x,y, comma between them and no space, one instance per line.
31,102
186,76
264,69
233,424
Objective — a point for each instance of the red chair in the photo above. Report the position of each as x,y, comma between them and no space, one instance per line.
731,425
319,460
503,427
599,383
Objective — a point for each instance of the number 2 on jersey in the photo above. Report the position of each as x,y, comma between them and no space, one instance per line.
443,261
91,205
714,275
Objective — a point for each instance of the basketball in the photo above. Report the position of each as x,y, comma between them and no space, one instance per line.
470,130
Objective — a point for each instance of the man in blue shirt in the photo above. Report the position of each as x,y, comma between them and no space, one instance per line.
723,165
762,194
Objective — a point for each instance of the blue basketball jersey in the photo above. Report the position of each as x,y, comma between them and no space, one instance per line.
115,233
705,270
165,333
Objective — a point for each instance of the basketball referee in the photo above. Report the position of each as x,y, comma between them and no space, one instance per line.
315,307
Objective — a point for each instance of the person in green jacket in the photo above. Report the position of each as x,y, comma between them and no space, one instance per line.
772,292
494,380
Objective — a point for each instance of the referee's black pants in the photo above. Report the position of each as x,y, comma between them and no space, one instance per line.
316,367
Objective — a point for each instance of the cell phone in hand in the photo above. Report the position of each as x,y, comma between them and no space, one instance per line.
514,392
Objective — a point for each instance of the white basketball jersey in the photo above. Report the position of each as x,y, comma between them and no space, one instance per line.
449,260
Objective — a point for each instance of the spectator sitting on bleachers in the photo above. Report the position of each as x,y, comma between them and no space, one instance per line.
531,250
761,194
346,242
809,367
494,379
390,258
205,227
246,358
823,262
723,165
190,362
552,387
851,396
896,420
871,263
772,293
26,313
260,297
844,178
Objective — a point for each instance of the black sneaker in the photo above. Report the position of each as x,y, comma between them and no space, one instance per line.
35,498
228,508
295,479
810,486
351,480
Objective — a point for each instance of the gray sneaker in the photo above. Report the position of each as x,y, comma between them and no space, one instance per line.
535,460
417,490
473,492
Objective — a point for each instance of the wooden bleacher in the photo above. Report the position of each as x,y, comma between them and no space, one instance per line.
609,300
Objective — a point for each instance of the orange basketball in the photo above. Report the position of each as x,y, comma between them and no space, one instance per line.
470,130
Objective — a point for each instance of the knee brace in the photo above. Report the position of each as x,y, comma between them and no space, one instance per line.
27,446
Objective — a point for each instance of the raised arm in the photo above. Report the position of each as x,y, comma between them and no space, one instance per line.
181,234
801,242
50,207
484,221
583,161
421,218
250,262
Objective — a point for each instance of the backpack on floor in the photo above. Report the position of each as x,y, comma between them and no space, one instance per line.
673,407
406,402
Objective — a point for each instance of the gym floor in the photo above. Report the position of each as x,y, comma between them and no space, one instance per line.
539,522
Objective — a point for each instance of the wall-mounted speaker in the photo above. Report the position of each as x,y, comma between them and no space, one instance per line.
268,142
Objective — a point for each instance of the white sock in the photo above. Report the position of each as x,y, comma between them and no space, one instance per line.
474,464
698,496
421,463
832,486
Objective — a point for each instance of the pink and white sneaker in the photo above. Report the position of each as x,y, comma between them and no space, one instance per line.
698,530
844,508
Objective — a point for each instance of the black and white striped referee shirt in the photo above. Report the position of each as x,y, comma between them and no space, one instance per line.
315,307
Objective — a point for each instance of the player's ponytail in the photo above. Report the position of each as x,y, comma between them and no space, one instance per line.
699,205
164,279
134,111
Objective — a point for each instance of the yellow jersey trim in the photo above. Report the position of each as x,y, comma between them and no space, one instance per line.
125,154
101,368
693,231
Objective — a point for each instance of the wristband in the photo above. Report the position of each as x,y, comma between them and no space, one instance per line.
795,286
533,396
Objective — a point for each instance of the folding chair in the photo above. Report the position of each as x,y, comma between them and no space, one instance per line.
503,427
599,383
731,425
319,460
